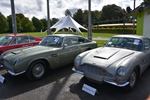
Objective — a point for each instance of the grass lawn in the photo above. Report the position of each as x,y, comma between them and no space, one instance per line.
84,34
101,42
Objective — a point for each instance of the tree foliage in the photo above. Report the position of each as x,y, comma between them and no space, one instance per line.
147,1
44,23
108,14
27,25
3,23
18,21
111,12
78,16
37,24
68,13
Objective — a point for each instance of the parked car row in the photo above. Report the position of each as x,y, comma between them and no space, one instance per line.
52,52
120,62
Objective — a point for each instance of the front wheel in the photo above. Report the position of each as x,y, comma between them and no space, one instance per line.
132,80
36,70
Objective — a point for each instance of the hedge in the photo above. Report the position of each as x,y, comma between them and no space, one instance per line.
114,30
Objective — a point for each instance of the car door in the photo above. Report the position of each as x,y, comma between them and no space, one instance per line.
19,41
70,50
32,41
146,62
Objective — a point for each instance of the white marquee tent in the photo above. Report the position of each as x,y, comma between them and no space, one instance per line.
67,22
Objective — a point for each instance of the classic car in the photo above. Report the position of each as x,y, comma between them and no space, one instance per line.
120,62
52,52
12,41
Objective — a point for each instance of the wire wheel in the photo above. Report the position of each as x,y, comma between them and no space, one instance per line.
38,70
132,79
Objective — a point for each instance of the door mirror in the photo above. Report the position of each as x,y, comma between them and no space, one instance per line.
65,45
146,48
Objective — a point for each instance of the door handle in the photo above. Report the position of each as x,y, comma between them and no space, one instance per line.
54,55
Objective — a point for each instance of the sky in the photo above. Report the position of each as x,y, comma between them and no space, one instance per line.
38,8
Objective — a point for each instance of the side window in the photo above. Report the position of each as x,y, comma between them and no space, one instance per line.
23,39
146,44
14,42
32,39
81,40
71,41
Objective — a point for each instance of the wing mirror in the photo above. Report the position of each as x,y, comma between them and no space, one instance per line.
146,48
65,45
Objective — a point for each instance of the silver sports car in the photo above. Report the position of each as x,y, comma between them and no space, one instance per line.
120,62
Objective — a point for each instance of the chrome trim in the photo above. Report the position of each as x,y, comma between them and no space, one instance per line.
15,74
116,84
77,71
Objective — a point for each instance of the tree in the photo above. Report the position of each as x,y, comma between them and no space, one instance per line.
147,1
95,16
20,16
78,16
37,24
44,24
68,13
27,25
19,27
112,12
54,20
3,23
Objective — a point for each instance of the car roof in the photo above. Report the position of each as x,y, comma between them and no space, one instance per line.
131,36
16,35
62,35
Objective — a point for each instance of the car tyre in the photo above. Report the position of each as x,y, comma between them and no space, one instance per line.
36,70
132,80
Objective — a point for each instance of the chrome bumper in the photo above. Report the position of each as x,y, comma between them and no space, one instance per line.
116,84
77,71
15,74
104,79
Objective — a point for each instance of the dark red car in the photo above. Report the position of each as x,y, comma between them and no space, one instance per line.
13,41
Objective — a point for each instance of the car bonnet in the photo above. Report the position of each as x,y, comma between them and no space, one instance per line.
24,52
104,57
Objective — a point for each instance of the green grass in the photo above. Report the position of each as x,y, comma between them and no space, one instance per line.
101,42
104,35
84,34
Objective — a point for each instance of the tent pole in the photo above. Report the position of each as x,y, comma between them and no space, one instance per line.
89,21
13,17
48,19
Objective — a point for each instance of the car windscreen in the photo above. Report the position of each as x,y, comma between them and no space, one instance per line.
52,41
128,43
4,40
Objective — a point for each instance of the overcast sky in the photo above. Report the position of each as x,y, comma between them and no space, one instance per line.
38,8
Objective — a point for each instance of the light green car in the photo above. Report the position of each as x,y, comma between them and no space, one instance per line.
54,51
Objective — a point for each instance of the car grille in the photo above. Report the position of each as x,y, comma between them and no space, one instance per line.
95,70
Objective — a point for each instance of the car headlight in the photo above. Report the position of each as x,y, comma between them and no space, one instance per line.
121,71
77,61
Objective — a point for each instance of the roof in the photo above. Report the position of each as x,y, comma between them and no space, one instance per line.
62,35
118,24
67,22
131,36
16,34
140,8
